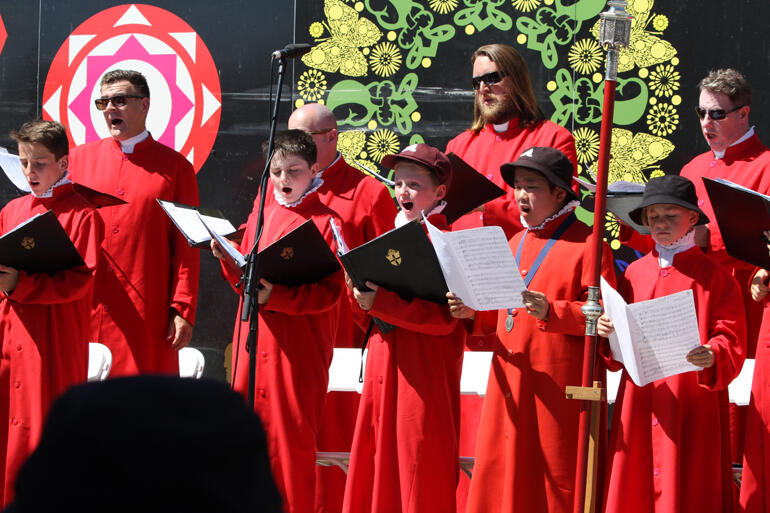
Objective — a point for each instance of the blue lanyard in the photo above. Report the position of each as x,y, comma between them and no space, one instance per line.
543,252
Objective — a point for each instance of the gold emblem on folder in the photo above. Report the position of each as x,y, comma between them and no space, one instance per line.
28,242
394,257
287,253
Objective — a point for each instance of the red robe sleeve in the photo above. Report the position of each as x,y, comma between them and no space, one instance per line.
312,298
185,260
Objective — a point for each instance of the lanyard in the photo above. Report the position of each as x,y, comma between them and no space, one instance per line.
543,252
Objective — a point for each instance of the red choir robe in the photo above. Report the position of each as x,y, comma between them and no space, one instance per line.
147,268
295,343
747,164
366,211
526,450
405,451
486,151
44,327
756,455
670,440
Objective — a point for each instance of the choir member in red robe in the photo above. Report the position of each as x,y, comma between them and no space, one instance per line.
405,451
297,326
527,446
670,441
43,318
146,288
366,210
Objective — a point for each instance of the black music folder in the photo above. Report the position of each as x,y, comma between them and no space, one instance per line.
469,189
402,260
299,257
39,245
742,215
97,198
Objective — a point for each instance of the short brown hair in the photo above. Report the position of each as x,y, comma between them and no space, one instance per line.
134,77
730,83
50,134
511,64
294,142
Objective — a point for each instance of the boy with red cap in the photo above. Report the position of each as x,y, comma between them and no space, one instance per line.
404,457
670,439
527,444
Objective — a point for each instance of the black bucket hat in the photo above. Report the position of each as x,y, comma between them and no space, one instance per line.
673,189
549,162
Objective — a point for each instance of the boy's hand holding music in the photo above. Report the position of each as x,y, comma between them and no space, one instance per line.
9,277
457,308
701,356
604,326
759,288
365,299
264,289
536,303
218,251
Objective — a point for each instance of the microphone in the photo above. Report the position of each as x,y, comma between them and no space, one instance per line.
292,51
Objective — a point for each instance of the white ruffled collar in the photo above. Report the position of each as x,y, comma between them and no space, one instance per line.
314,186
667,252
571,205
65,178
401,219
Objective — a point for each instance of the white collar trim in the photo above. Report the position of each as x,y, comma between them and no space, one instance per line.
314,186
65,178
401,219
128,145
571,205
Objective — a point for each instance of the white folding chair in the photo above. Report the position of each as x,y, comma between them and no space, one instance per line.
191,363
99,361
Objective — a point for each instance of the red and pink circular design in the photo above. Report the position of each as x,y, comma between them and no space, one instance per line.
185,96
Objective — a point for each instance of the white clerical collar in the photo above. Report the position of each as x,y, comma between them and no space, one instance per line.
502,127
666,253
571,205
314,186
747,135
65,178
339,156
128,145
401,219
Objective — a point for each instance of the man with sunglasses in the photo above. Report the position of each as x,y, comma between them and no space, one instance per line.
146,286
506,121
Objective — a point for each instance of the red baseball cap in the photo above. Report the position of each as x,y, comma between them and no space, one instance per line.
426,155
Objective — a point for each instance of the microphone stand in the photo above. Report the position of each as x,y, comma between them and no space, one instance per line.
250,293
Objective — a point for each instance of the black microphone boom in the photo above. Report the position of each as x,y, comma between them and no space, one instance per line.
292,51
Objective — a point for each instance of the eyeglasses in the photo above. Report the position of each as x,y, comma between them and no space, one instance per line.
490,78
716,114
119,100
322,131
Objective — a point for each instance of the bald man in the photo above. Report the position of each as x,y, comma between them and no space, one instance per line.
367,210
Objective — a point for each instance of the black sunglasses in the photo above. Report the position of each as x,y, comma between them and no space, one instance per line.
716,114
490,78
119,100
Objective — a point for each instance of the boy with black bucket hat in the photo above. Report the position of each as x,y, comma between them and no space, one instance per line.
527,443
404,457
670,439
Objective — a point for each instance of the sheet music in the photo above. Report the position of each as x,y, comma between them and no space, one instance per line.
669,331
652,338
479,267
11,166
233,254
618,186
188,220
741,188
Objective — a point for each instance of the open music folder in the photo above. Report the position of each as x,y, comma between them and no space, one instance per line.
652,338
188,220
39,245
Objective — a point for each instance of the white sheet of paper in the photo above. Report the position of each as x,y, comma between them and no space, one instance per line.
342,246
226,246
652,338
188,220
479,267
11,166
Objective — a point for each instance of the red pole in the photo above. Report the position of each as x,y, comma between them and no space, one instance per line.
595,270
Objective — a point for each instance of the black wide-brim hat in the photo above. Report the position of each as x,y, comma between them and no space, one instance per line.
549,162
670,189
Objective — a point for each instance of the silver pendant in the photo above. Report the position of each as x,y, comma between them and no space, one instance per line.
509,323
